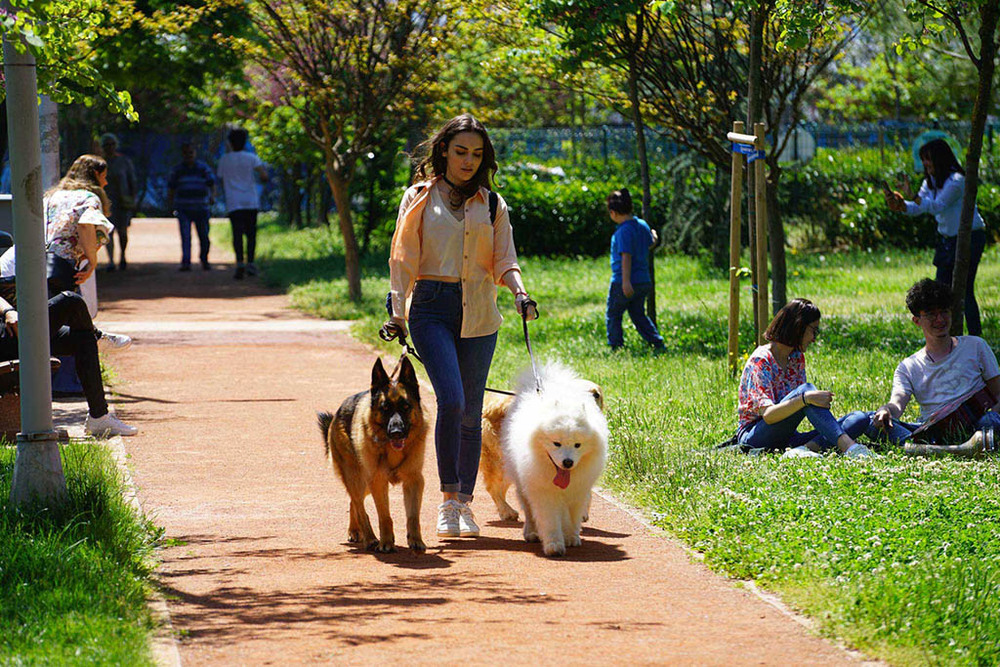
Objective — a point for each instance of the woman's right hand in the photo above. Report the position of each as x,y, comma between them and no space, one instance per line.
895,202
819,398
400,323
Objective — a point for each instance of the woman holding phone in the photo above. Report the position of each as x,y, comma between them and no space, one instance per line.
942,194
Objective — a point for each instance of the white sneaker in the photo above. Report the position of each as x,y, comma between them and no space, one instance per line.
800,452
107,426
859,451
448,512
116,341
467,526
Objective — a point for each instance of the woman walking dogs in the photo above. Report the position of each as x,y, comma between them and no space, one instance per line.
450,250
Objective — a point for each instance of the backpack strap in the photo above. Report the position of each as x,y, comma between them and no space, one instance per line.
494,200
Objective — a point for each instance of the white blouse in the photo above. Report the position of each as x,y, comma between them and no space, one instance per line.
443,257
945,204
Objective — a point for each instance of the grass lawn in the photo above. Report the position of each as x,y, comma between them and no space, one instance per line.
74,582
898,557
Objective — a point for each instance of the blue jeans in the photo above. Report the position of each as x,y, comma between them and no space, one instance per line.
458,368
900,432
944,260
784,434
185,217
618,304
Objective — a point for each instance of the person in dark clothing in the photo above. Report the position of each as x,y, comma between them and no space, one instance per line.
190,195
72,333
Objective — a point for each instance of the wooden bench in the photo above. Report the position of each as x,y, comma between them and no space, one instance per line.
10,397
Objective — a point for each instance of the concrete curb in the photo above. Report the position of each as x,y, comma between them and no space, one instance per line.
71,415
164,641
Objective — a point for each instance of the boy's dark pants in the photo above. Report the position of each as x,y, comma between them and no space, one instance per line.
618,304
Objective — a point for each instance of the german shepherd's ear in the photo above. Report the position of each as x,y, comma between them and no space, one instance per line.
380,379
408,376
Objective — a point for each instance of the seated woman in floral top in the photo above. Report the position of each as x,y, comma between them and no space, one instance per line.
774,395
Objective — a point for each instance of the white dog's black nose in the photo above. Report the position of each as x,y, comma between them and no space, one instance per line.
567,463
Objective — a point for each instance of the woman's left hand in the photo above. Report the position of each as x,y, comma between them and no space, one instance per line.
519,304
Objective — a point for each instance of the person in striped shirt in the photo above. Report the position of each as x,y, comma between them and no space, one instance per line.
190,195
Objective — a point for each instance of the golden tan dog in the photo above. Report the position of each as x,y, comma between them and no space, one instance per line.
376,439
491,463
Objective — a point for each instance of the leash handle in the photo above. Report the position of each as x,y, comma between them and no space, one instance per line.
391,331
529,303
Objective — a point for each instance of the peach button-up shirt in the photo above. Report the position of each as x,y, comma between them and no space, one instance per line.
487,254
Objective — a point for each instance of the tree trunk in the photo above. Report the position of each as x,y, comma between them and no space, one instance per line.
776,239
720,230
989,14
324,199
754,112
340,187
640,142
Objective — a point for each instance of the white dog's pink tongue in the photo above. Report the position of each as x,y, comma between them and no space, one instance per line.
562,477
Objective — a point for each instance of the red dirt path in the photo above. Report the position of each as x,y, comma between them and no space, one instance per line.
230,462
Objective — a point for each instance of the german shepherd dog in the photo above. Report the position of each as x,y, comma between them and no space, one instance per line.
376,439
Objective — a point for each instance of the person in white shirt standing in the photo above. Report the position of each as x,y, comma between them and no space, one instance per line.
941,195
237,170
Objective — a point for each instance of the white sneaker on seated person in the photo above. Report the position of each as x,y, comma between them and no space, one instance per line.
107,426
800,452
116,341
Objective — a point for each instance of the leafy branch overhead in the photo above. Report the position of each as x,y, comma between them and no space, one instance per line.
352,72
60,35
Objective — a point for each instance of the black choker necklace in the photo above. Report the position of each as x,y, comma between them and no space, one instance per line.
455,198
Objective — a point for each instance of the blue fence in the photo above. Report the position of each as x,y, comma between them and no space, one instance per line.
618,141
155,153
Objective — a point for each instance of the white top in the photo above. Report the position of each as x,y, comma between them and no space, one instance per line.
8,263
443,256
239,182
945,204
966,369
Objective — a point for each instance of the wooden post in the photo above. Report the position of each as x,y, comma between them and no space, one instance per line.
760,196
735,219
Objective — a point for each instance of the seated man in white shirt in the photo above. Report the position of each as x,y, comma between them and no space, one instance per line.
945,369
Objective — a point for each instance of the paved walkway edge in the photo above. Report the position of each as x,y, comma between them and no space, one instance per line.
163,644
769,598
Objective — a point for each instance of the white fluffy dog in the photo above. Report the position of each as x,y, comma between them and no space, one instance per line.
555,445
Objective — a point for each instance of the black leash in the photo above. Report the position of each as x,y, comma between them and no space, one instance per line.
390,331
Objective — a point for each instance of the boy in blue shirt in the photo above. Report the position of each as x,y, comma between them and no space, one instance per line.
630,279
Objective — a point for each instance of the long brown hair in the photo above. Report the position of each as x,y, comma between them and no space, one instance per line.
82,175
434,160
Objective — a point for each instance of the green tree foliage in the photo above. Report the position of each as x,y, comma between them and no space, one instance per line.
168,52
61,35
882,76
351,71
508,72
